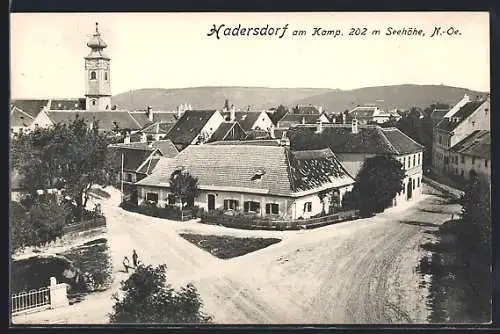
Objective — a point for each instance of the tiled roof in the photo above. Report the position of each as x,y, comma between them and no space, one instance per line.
314,168
31,107
108,120
370,139
291,119
157,128
163,117
258,134
189,126
150,166
272,171
306,110
19,118
450,123
246,118
477,144
166,147
363,112
68,104
133,158
223,130
266,142
438,114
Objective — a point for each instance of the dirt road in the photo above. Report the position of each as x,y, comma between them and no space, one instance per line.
354,272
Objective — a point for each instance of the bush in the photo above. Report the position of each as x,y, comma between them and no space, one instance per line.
149,299
171,212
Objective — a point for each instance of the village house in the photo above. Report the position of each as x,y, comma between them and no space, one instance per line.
290,119
370,114
472,155
353,144
464,118
228,131
194,127
256,180
249,120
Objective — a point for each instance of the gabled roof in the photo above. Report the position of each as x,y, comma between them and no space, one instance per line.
223,130
166,147
18,118
274,171
158,116
477,144
31,106
133,158
258,142
189,126
108,120
246,119
148,167
157,128
363,112
438,114
369,139
290,119
306,110
451,122
68,104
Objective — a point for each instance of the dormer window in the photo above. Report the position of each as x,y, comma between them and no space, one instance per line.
93,75
258,175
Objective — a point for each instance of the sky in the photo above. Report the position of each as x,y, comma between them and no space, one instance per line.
172,50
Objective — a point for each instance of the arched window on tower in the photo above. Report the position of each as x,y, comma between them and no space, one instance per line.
93,75
93,102
105,75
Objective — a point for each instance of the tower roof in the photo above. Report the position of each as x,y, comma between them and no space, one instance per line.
97,45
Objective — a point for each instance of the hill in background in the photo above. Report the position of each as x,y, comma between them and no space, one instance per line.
332,100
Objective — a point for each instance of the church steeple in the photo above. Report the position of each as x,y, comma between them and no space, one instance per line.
97,70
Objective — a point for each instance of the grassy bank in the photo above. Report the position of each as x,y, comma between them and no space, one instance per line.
226,247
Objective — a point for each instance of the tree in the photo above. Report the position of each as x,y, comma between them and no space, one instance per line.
278,114
149,299
377,183
184,187
69,156
36,221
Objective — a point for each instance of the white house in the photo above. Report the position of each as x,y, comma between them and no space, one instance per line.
472,155
253,179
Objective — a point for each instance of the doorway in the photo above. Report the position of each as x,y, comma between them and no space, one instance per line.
409,189
211,202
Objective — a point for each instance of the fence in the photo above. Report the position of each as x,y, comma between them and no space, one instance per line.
53,296
35,300
85,225
259,223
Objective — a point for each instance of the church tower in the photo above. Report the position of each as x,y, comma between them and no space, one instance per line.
97,82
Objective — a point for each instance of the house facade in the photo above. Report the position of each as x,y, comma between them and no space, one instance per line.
369,114
455,126
254,180
249,120
472,155
290,119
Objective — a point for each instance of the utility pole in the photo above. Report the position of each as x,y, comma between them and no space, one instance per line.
121,181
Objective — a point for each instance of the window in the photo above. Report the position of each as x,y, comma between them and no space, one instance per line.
473,160
413,184
439,139
230,204
404,187
272,208
409,162
462,159
418,159
404,162
486,111
308,207
93,75
153,197
105,75
418,182
485,162
473,123
93,102
414,159
251,206
129,177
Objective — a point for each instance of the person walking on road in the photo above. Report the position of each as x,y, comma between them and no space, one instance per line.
134,258
126,264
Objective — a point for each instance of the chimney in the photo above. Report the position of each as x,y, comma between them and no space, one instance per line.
320,127
320,108
144,137
354,126
303,120
232,115
271,132
126,140
150,113
179,112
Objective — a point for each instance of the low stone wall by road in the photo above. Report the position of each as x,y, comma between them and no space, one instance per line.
455,193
